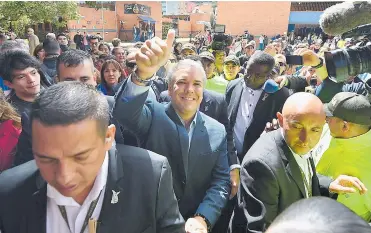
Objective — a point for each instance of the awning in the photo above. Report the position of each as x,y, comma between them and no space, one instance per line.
146,18
304,17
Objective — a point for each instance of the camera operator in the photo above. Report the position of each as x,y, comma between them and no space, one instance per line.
329,86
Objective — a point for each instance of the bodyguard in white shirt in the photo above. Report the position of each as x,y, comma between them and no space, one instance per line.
80,182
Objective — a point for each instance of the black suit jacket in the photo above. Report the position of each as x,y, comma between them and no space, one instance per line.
213,104
146,202
270,182
24,146
265,111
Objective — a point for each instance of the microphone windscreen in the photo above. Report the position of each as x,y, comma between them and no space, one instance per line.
345,16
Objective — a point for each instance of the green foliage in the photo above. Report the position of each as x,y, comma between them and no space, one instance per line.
20,14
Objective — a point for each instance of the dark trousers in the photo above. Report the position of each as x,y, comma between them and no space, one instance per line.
221,226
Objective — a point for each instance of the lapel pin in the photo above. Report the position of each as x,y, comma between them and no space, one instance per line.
265,96
115,197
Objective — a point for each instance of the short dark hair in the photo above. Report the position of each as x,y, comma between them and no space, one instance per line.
260,58
16,60
73,58
93,37
320,215
2,36
67,103
61,34
51,46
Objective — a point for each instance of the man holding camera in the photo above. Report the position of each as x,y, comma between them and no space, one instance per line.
330,86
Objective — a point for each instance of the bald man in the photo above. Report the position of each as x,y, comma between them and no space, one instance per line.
279,170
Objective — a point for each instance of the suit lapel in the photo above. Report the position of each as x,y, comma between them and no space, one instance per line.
260,105
35,220
235,102
292,166
198,140
205,103
110,212
183,141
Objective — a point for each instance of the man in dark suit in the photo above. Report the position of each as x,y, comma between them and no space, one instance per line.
279,170
194,143
79,174
249,106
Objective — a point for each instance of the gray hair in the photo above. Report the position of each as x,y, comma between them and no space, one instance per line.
50,35
17,44
189,64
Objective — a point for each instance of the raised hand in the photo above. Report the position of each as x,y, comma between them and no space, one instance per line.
153,54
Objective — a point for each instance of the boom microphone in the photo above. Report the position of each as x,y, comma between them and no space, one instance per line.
345,16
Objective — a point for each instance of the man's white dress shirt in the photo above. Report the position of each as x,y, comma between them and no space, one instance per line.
76,213
249,99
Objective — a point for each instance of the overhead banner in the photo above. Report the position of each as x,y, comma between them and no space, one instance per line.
137,9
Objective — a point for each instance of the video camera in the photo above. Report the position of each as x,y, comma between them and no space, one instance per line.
342,63
220,39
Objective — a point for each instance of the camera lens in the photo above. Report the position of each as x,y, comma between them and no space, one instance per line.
342,63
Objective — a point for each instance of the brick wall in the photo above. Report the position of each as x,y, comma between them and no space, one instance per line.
91,20
184,28
198,17
269,18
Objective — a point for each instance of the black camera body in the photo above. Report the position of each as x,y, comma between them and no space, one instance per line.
221,41
342,63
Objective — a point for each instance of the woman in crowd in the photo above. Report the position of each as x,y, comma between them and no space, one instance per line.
110,77
105,48
10,129
177,50
39,52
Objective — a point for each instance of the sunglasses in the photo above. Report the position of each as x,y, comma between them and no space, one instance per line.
282,63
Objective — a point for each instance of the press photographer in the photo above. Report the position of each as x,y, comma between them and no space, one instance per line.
340,67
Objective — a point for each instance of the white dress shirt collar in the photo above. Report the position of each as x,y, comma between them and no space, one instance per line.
99,184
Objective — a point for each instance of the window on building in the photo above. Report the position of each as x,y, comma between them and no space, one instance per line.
88,22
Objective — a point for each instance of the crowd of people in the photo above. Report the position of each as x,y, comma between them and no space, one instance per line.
170,137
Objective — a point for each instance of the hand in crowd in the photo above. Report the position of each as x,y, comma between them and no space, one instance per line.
153,54
235,181
196,224
270,126
281,80
347,184
310,58
270,50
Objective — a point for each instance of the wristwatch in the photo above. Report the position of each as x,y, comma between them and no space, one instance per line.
206,220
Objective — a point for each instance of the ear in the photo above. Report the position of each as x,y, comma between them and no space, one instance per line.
280,119
8,84
346,127
110,137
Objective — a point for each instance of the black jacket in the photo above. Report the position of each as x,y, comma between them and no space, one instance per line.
270,182
146,202
265,111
